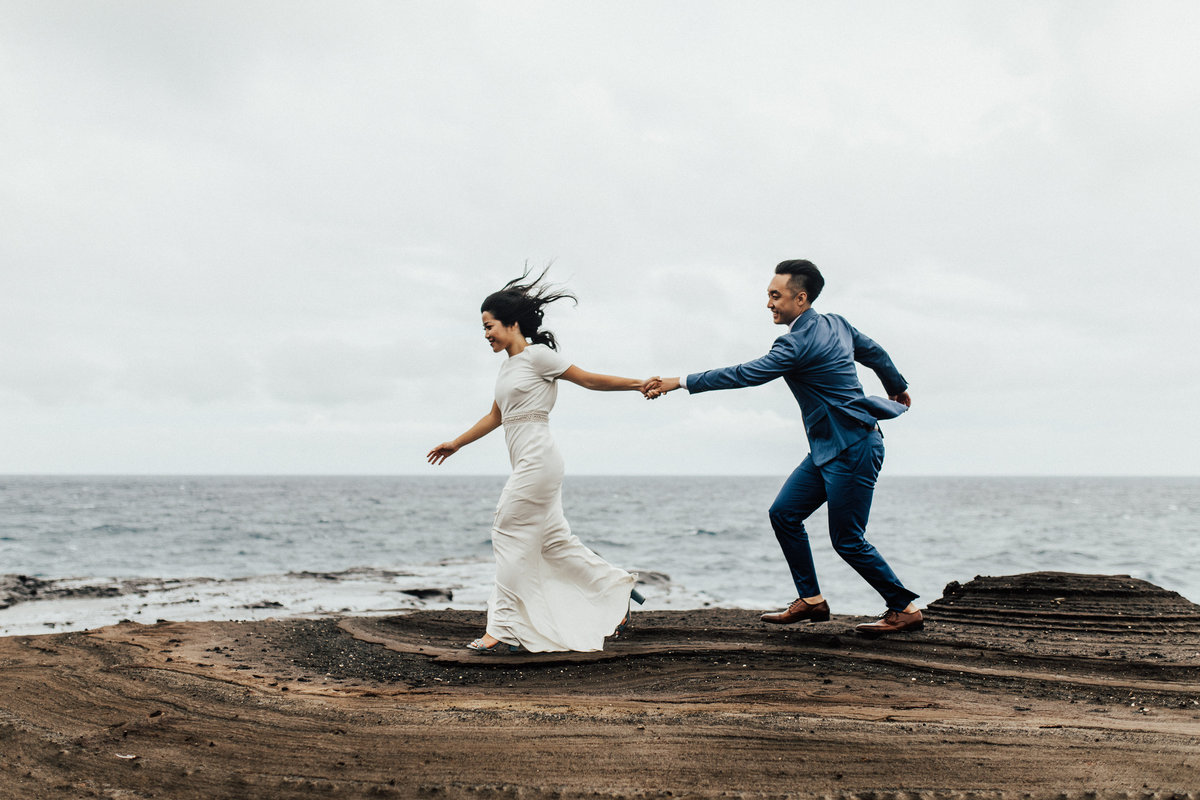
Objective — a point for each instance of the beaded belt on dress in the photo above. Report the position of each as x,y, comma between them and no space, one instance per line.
527,416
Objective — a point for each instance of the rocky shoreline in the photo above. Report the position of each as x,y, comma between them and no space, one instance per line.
1029,686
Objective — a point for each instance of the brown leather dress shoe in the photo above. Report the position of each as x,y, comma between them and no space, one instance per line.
892,622
798,610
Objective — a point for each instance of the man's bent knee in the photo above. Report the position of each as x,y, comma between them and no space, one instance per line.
786,523
851,547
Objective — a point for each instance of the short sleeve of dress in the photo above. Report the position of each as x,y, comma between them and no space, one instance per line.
547,364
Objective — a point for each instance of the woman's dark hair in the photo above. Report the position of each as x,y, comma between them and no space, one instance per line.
522,303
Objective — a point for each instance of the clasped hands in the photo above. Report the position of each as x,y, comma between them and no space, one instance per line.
657,387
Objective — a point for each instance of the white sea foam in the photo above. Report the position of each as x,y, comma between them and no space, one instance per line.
82,604
237,546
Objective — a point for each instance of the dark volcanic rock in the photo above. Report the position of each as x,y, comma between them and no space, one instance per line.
1102,625
444,595
1064,599
21,588
16,588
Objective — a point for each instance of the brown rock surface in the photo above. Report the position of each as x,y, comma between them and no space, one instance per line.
1042,685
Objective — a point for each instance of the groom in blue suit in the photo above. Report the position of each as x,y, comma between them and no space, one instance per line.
816,358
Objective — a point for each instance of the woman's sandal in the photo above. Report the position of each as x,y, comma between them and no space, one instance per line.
635,597
499,648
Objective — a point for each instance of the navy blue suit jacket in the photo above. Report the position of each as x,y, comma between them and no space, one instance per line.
816,359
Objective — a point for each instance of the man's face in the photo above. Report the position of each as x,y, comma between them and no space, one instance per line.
784,303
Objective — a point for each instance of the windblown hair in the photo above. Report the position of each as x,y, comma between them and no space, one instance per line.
803,276
521,301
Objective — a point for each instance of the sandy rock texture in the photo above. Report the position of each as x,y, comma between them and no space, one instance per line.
1046,685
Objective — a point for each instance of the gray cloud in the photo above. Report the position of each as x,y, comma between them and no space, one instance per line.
265,229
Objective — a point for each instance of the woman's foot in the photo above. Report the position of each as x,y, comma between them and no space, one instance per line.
634,597
490,644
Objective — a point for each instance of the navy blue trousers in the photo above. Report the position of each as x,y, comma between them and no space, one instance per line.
847,484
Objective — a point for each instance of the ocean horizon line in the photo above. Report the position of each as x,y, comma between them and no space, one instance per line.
951,476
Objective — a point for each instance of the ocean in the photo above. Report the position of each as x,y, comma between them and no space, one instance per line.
95,550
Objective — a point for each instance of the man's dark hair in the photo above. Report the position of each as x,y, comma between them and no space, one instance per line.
803,276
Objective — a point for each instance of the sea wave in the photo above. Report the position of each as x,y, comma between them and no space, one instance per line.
31,605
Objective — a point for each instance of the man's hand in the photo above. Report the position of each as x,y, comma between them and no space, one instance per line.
902,398
661,387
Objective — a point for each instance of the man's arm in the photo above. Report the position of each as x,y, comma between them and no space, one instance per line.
779,361
868,353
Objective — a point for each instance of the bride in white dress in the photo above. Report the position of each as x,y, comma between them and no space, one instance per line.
552,593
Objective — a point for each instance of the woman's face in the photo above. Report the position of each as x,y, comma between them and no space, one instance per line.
499,335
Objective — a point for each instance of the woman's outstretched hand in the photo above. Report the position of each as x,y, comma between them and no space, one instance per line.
656,387
440,453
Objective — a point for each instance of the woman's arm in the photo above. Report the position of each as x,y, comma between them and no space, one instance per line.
601,383
486,425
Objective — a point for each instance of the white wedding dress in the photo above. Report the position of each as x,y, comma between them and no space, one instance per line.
551,592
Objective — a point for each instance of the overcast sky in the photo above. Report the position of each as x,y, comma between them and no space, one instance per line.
252,237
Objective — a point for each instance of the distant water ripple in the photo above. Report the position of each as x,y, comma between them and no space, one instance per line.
710,535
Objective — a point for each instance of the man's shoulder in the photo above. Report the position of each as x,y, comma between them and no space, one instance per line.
813,322
794,343
836,319
832,325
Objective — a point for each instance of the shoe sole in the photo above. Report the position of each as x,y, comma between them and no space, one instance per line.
875,634
822,618
497,650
